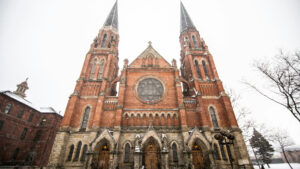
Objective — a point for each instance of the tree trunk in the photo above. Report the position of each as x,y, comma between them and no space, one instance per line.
286,158
255,157
268,165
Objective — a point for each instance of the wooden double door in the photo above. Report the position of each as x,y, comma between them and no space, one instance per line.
151,158
197,154
101,159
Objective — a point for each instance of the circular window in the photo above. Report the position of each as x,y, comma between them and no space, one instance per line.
150,90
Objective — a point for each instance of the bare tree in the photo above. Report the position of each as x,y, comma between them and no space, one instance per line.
281,139
283,75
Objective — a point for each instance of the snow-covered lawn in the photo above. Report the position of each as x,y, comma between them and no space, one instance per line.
281,166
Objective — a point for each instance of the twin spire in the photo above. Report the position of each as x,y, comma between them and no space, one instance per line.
185,20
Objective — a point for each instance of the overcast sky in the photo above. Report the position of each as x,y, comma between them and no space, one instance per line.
47,40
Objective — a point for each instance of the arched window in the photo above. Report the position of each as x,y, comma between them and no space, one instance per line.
223,152
110,42
216,152
7,108
77,151
15,155
103,41
213,117
198,69
175,155
93,70
194,41
127,153
229,152
85,119
101,69
83,152
205,69
70,153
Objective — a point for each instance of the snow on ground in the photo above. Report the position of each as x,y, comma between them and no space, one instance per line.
281,166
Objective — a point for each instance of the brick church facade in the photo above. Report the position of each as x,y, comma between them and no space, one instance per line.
164,116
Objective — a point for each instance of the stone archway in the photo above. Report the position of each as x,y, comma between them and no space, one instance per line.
101,155
151,155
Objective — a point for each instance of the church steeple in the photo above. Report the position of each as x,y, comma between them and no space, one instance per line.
185,20
112,18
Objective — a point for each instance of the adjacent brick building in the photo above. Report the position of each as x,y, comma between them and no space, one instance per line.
162,117
27,132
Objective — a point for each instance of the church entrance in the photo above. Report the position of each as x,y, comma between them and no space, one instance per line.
151,158
101,157
197,154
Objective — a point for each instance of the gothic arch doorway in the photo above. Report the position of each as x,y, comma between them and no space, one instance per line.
101,156
198,160
151,156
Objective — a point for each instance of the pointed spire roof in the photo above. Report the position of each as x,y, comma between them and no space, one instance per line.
112,18
185,20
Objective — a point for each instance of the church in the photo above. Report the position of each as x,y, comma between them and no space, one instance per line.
153,114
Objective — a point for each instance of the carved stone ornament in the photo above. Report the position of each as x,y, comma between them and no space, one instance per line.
150,90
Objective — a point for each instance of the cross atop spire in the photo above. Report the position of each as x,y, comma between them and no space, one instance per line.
112,19
185,20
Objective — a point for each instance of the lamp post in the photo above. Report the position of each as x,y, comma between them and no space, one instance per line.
226,138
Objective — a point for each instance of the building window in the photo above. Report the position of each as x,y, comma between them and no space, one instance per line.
205,69
93,70
7,108
229,153
101,69
110,42
70,153
175,155
85,119
20,113
77,151
194,41
213,117
223,152
1,124
103,41
23,134
83,153
43,121
127,152
198,69
216,152
37,135
30,117
15,155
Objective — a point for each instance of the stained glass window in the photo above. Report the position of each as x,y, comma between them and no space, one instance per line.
77,151
175,155
205,69
216,152
127,153
213,117
85,147
194,41
70,153
103,41
198,69
85,119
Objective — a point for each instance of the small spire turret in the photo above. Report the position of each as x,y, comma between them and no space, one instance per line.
21,88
